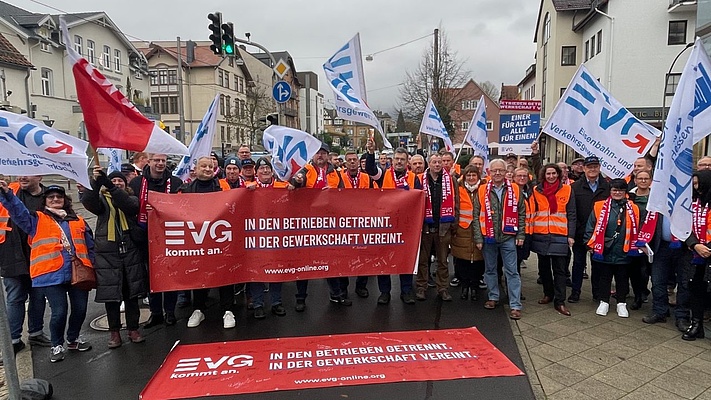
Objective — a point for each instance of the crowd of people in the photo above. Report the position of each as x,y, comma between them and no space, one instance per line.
488,218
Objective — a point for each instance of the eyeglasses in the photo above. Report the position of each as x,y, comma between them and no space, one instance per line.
498,171
54,196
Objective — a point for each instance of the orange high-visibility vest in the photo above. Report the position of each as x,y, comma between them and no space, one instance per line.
466,208
542,221
224,185
46,245
364,182
5,214
389,182
529,215
482,202
312,176
597,209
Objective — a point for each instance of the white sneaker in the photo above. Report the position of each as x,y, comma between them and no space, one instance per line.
195,319
122,308
146,302
602,309
228,320
622,310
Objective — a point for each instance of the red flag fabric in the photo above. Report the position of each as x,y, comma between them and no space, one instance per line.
111,120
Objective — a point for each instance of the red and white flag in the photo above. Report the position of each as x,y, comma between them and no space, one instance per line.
111,120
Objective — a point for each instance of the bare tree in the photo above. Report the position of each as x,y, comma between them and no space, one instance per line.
442,81
490,89
251,115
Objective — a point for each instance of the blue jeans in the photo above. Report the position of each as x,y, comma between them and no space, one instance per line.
57,297
18,289
668,261
507,249
256,290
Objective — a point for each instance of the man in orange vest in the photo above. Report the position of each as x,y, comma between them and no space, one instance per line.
15,268
319,174
499,227
232,179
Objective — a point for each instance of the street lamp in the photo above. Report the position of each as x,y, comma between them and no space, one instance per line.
666,82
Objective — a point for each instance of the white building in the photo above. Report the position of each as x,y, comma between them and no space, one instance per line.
628,45
311,103
50,87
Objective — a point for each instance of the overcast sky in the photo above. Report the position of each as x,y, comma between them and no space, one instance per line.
493,37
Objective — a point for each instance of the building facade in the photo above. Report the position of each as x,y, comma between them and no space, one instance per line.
310,103
463,112
50,86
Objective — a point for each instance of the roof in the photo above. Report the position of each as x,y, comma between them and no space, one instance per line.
9,55
530,72
509,92
204,56
19,18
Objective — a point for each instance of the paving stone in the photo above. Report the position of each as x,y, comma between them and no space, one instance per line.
632,342
598,390
524,326
530,342
615,348
582,365
587,338
684,381
542,335
549,385
620,380
562,329
660,358
569,394
539,362
698,364
600,357
538,392
616,327
638,371
545,316
647,392
562,374
549,352
571,345
683,347
703,396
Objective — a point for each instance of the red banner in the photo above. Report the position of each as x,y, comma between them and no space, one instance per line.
520,105
267,365
277,235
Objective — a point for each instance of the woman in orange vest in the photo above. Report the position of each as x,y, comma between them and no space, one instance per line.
552,227
55,234
468,259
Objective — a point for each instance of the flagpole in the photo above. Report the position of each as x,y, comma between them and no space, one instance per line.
458,153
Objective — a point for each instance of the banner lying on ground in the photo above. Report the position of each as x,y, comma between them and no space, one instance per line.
267,365
277,235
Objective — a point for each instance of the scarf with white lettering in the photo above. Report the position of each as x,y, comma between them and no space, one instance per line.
649,227
446,210
400,183
700,227
509,206
601,225
143,212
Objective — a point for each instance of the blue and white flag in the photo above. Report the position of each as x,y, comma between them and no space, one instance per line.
201,145
344,73
432,125
290,149
476,134
30,147
588,119
688,120
115,159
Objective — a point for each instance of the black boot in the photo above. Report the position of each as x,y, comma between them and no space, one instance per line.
465,292
637,304
695,331
473,294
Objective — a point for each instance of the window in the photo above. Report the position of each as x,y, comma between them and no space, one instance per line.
107,57
231,63
546,29
227,79
236,82
222,105
154,103
163,77
90,52
489,125
79,44
465,125
599,42
587,50
562,90
592,47
229,132
222,133
469,104
677,32
220,78
228,103
117,60
164,105
44,33
567,56
240,88
672,83
46,82
172,77
173,105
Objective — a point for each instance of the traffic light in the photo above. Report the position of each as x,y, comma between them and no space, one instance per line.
228,39
216,28
273,119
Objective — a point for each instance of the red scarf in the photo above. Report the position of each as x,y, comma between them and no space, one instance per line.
549,190
320,177
699,226
446,210
265,185
509,219
601,226
143,213
400,183
355,180
646,232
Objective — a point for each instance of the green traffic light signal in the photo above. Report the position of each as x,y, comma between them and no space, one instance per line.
228,39
228,49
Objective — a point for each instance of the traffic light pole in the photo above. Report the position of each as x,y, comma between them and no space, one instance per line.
181,104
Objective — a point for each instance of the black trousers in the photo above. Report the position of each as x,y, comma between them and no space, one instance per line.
638,272
553,272
698,288
469,272
606,272
227,298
